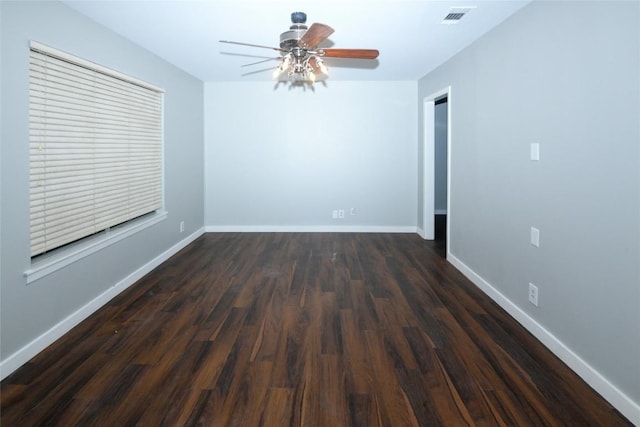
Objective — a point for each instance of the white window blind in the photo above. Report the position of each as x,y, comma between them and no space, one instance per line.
95,148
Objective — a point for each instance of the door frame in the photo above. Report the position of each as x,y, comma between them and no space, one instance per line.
428,163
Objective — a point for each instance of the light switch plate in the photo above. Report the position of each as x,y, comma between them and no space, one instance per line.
535,237
535,151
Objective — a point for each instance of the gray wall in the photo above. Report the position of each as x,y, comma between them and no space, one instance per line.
285,158
565,75
28,311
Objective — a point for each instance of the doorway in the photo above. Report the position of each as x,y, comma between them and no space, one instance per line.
440,169
436,164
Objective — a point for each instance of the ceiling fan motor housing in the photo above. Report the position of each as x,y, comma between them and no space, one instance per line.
289,39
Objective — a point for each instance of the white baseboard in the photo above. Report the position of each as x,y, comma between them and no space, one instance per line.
308,229
607,390
26,353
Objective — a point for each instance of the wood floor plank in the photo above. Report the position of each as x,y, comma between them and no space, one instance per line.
301,329
277,411
356,359
395,409
255,392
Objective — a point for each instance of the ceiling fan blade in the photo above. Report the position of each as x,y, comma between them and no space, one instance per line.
315,35
254,45
349,53
248,73
278,58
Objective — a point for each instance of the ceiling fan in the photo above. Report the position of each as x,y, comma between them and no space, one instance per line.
301,58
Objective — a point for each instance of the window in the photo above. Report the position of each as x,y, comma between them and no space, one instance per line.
95,148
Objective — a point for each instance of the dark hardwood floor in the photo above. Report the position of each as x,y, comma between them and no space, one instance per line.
301,329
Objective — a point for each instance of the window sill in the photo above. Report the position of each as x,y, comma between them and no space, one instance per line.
59,259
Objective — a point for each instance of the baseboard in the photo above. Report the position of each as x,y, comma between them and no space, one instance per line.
26,353
597,381
440,212
308,229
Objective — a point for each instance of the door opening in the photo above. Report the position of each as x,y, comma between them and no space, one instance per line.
440,168
436,167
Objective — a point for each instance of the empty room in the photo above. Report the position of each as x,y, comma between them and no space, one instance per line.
320,213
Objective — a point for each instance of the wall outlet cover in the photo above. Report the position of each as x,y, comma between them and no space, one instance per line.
533,294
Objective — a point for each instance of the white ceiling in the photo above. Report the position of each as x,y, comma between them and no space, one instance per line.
408,33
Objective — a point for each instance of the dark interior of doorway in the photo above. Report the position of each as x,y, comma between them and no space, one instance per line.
440,227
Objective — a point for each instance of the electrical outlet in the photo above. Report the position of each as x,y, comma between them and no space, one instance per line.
182,226
533,294
341,214
334,214
352,211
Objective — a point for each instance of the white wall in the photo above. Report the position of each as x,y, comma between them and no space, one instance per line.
36,313
284,158
564,75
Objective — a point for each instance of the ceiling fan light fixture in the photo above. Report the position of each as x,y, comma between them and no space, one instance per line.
286,62
299,67
320,64
300,52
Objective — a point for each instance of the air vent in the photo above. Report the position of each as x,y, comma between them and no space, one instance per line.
455,15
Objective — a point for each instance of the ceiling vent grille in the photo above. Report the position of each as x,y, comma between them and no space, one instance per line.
455,15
